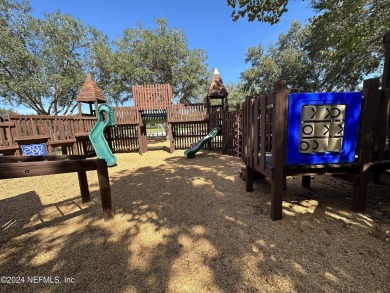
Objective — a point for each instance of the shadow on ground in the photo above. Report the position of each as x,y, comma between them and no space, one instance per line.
187,226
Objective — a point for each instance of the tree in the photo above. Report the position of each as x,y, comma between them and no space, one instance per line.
345,41
4,111
42,61
262,10
236,95
287,59
334,52
144,56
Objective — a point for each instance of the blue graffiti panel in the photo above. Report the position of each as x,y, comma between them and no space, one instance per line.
322,128
38,149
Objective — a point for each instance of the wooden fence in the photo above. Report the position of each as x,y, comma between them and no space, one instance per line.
152,97
126,116
67,132
122,138
229,133
189,123
186,113
187,134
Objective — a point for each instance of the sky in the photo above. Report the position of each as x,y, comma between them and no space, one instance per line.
206,24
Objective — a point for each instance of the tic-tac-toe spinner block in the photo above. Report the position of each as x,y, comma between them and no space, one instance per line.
336,112
330,112
336,128
307,129
320,145
323,113
305,145
309,113
335,144
321,129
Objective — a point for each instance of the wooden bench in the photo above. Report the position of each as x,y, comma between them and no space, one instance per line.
26,166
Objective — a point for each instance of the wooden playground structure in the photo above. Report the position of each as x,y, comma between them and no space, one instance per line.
257,133
186,124
265,127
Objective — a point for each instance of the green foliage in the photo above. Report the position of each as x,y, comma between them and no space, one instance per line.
43,61
345,40
145,56
236,95
338,49
287,59
4,111
268,11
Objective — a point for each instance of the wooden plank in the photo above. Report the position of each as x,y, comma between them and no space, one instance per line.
366,134
263,127
256,142
248,179
278,150
83,183
105,190
28,169
306,181
386,65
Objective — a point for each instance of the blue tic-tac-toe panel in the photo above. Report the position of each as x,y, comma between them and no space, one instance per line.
329,140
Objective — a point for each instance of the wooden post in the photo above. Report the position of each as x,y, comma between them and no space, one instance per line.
105,189
144,139
80,111
386,67
64,150
306,181
278,149
83,182
248,179
383,119
171,140
366,137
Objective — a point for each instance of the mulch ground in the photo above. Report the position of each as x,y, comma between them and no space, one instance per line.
188,226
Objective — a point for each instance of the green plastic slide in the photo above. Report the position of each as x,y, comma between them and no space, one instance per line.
96,136
192,151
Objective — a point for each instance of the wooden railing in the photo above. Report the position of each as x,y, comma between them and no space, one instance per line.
126,115
186,113
257,122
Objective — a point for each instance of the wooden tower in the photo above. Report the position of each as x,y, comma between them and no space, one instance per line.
217,94
91,94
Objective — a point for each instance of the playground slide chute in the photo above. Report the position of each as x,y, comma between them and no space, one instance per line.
96,136
192,151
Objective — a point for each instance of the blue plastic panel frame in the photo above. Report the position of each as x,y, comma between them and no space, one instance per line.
352,100
38,149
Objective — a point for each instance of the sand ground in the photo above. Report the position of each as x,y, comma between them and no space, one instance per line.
188,226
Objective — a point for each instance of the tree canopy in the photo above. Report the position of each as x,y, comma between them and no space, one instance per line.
345,40
338,49
287,59
269,11
43,61
160,55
